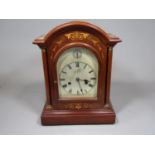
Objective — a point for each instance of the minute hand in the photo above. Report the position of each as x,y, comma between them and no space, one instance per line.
78,80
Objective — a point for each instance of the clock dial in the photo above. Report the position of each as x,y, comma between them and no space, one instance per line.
77,73
77,78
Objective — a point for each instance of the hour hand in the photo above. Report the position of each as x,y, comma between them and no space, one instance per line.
78,80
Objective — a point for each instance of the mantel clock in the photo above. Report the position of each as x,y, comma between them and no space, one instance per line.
77,61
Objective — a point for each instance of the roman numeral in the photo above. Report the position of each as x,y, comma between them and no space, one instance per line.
93,78
90,85
64,86
78,93
70,90
91,71
64,72
69,66
85,66
62,79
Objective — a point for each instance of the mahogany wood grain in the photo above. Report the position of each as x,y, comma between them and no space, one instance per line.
109,69
67,117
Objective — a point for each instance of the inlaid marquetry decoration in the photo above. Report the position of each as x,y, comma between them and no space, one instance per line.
77,36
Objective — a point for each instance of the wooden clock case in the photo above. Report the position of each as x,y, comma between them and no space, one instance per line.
78,111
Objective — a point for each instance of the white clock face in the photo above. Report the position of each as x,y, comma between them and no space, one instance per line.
77,73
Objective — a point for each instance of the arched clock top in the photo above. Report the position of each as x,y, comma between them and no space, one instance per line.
106,38
74,39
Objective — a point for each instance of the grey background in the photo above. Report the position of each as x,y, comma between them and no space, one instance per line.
22,93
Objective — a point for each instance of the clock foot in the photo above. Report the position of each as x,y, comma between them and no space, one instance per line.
51,116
